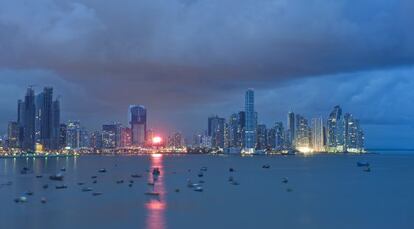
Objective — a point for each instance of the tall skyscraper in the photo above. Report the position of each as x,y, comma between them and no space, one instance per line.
279,136
291,129
318,135
46,122
55,138
216,131
261,137
20,121
251,122
335,126
126,140
232,131
138,122
29,120
73,136
241,129
111,135
303,133
176,140
13,135
62,136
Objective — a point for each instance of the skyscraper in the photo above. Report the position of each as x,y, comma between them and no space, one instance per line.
29,120
241,129
13,135
111,135
261,137
232,130
73,136
251,118
46,120
279,136
138,122
62,136
303,133
216,131
318,135
55,144
291,129
335,130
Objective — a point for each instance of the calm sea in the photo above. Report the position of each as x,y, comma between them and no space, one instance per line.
323,191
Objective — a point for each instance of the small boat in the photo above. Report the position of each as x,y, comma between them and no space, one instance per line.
285,180
289,190
231,179
231,170
81,183
43,200
46,186
21,199
102,171
136,176
39,176
29,193
25,170
235,183
266,166
152,193
204,169
61,187
57,177
87,189
200,174
156,172
63,169
362,164
131,181
97,193
130,185
95,181
94,177
177,190
120,181
201,182
198,189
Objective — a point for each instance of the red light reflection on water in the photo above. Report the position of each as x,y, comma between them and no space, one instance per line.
156,206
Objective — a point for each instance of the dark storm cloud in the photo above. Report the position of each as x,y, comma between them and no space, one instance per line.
175,55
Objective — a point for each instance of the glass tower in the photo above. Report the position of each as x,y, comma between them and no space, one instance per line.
250,127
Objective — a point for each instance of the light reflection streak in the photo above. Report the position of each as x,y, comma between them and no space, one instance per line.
156,206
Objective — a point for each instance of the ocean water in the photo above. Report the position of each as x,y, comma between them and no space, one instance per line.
323,191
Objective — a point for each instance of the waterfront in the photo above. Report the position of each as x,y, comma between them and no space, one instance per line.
326,191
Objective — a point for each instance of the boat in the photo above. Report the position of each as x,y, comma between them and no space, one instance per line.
231,170
285,180
266,166
57,177
95,181
152,193
87,189
63,169
39,176
45,186
198,189
94,177
204,169
362,164
81,183
102,171
235,183
200,174
21,199
43,200
61,187
120,181
130,185
231,179
29,193
136,176
156,172
97,193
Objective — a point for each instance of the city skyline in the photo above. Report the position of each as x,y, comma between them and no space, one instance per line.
181,62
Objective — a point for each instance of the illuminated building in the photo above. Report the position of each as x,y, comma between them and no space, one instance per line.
216,131
335,130
29,115
261,137
62,136
279,136
111,135
303,133
232,131
73,135
138,122
355,139
318,143
251,122
291,133
206,141
96,140
13,135
176,140
126,140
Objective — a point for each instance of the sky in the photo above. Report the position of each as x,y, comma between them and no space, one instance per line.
188,59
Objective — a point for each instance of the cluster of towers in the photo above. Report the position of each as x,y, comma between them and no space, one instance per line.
241,132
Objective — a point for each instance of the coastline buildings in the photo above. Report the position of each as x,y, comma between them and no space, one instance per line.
216,130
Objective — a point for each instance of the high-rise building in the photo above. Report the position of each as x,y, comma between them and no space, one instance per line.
176,140
62,136
318,137
241,129
111,135
46,120
126,140
55,140
96,140
73,135
261,137
291,129
335,126
232,131
20,121
354,135
29,115
13,135
84,138
216,131
39,99
138,122
303,133
251,122
279,136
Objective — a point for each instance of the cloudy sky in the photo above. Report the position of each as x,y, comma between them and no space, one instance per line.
187,59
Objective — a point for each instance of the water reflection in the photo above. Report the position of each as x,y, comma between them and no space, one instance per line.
156,206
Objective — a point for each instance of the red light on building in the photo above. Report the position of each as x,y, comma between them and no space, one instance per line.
156,140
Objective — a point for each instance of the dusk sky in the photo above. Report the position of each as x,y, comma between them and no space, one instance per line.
188,59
